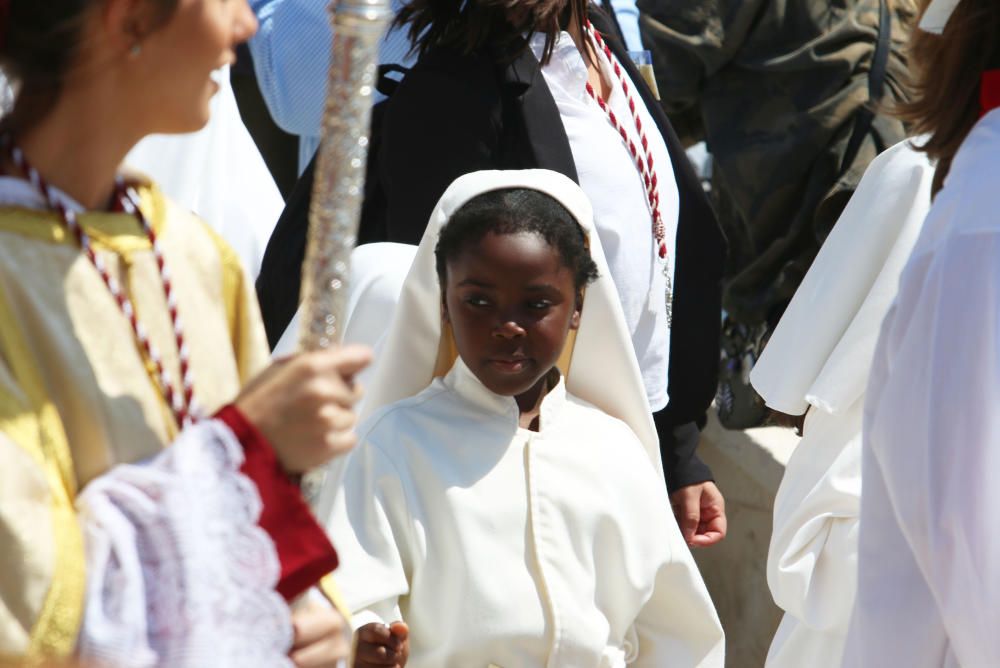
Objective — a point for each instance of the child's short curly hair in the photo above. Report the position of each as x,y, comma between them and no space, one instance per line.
513,211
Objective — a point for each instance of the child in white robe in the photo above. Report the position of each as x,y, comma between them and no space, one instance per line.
514,512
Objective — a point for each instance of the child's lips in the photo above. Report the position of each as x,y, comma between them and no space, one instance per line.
509,364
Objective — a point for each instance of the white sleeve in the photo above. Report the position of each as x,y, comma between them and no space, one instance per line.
178,571
812,557
678,625
371,526
934,432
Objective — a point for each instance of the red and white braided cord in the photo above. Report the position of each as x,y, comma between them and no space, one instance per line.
644,160
182,402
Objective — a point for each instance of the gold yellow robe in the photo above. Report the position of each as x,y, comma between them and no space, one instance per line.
76,395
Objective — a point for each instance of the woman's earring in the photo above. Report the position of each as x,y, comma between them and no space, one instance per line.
135,51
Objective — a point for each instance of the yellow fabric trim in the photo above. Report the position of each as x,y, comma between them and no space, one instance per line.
328,587
246,333
154,206
38,429
116,232
232,279
447,351
566,356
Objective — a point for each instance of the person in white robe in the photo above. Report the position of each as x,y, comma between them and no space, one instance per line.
219,174
929,561
929,545
817,363
502,546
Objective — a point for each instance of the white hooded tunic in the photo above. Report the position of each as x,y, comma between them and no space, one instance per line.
502,546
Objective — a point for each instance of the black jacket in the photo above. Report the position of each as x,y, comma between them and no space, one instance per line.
453,114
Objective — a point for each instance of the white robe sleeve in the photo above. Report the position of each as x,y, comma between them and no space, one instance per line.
933,427
812,558
178,571
679,626
371,526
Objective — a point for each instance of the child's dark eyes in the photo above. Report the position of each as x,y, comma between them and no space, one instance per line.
479,301
539,304
476,300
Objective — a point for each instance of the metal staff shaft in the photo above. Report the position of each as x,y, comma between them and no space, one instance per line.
338,190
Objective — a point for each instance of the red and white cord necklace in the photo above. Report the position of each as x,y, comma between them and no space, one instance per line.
181,400
643,159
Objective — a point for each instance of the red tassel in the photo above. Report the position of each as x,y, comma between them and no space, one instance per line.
989,91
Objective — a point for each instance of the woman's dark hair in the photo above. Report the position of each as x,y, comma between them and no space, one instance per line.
947,69
39,40
470,25
515,211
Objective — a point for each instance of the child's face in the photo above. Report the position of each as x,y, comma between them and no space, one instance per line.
511,302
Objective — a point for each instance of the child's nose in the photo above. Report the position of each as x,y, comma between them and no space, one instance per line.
508,329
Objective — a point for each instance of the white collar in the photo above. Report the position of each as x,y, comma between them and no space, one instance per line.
566,65
18,192
462,382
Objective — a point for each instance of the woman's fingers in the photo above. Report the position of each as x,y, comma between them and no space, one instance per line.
321,638
315,622
327,653
304,405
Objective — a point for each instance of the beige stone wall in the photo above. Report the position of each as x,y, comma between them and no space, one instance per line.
748,467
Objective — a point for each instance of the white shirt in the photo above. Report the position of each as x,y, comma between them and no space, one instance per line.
479,535
609,177
819,357
929,556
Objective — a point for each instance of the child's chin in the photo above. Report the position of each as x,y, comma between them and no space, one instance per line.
509,387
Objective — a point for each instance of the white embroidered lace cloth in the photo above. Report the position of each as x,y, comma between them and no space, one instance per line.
179,572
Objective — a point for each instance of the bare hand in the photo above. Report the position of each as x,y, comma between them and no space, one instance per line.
322,637
382,646
701,513
304,405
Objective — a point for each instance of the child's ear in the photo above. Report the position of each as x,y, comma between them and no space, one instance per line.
445,317
574,321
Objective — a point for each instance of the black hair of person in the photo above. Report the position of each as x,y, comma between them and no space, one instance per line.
471,25
516,211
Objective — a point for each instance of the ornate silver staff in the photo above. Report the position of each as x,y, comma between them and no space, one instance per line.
338,190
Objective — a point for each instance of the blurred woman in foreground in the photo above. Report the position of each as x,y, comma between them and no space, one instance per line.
127,326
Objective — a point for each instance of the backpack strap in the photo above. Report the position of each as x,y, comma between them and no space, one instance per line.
876,89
